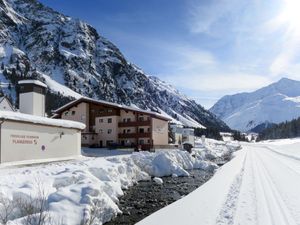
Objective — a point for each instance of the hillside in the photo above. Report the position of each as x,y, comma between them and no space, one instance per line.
283,130
74,60
275,103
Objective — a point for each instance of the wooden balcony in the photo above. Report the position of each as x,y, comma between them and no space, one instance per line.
135,123
135,135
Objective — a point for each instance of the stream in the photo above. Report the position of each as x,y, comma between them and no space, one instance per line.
146,197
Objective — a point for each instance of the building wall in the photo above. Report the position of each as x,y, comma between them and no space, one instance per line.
88,139
32,103
5,106
146,129
126,130
102,126
21,141
79,113
127,114
160,132
127,141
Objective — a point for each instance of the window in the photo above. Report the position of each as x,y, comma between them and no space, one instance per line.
124,131
109,110
148,141
141,130
100,120
66,113
141,142
128,119
148,129
109,120
73,113
100,131
93,138
109,131
124,120
128,131
141,118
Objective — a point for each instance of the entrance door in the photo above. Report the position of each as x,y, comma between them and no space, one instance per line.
101,144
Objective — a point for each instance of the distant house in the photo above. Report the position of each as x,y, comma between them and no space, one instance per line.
109,124
188,136
226,136
177,131
5,104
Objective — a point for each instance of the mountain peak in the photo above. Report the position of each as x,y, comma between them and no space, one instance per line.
274,103
286,80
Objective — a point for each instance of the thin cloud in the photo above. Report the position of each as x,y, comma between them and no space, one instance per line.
222,82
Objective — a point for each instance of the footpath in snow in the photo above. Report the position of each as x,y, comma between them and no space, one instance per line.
87,189
259,186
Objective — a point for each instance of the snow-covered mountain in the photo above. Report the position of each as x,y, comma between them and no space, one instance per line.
275,103
74,60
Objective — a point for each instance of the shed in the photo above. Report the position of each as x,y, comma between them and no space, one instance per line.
28,137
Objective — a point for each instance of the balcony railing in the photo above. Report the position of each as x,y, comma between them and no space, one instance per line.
135,123
135,135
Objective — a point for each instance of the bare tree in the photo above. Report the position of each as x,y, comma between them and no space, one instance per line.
7,209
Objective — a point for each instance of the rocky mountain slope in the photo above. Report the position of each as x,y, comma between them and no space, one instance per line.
275,103
73,60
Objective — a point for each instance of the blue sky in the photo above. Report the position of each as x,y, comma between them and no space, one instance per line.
205,48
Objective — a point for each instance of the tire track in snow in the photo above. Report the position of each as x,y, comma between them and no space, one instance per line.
246,213
272,204
282,154
228,210
283,159
286,192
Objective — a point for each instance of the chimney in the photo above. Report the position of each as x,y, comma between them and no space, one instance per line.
32,97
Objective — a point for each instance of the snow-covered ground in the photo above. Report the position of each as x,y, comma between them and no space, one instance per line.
259,186
89,187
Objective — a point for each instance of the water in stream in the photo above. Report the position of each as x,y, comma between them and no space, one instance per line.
147,197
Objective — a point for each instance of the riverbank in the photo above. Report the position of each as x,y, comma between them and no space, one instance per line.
89,188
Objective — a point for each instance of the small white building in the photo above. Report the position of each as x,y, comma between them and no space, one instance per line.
226,136
177,130
29,136
188,136
5,104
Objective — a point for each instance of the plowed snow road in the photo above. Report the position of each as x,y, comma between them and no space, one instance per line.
261,185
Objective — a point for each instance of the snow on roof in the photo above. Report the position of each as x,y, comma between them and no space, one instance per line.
70,104
21,117
36,82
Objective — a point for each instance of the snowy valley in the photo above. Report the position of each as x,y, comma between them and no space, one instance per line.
89,187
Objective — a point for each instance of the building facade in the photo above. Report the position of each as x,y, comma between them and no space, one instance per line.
109,124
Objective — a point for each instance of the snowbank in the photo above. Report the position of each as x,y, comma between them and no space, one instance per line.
212,149
260,185
90,187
